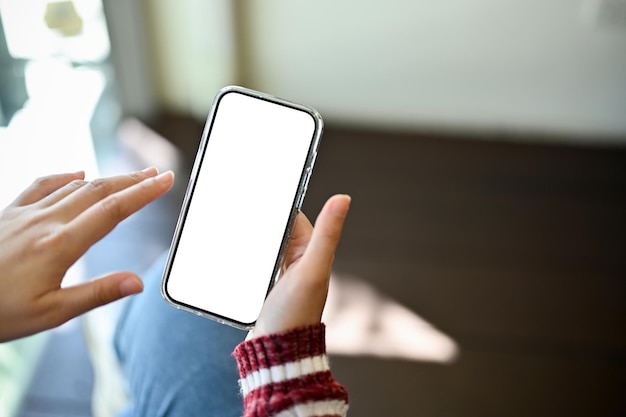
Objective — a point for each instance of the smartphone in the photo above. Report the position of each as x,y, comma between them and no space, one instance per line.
247,184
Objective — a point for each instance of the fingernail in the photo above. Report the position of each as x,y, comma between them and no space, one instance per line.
130,286
340,206
150,170
165,178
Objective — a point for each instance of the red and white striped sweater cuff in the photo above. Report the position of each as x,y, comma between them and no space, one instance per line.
287,374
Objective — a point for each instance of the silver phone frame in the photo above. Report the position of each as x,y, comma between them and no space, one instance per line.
296,204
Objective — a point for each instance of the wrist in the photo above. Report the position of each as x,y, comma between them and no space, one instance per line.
302,349
289,370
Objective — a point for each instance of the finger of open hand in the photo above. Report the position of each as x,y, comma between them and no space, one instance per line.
62,192
44,186
72,202
72,301
320,251
99,219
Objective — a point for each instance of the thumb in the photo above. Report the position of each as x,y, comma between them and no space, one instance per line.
320,251
83,297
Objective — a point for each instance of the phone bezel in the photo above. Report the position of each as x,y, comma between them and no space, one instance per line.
297,201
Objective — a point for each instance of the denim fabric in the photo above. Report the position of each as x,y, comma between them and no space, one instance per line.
176,363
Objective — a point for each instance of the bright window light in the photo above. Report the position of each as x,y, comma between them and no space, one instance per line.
75,30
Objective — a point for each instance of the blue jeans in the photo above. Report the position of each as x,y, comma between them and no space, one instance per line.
176,363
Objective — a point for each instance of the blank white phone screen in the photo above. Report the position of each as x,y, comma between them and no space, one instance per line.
239,209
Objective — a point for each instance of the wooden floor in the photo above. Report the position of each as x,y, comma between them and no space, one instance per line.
516,251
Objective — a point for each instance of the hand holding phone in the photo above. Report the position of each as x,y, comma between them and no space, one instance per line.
248,182
299,296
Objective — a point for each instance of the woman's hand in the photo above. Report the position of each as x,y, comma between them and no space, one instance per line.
47,229
299,296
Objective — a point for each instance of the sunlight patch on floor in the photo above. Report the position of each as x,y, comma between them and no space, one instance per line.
363,322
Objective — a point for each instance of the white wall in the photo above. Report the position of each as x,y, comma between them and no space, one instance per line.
171,55
193,52
534,65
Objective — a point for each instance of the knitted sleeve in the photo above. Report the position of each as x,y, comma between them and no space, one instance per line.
287,374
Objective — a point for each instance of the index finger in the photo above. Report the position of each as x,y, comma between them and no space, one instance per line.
99,219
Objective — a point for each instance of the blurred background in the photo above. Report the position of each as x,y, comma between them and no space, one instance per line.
483,266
